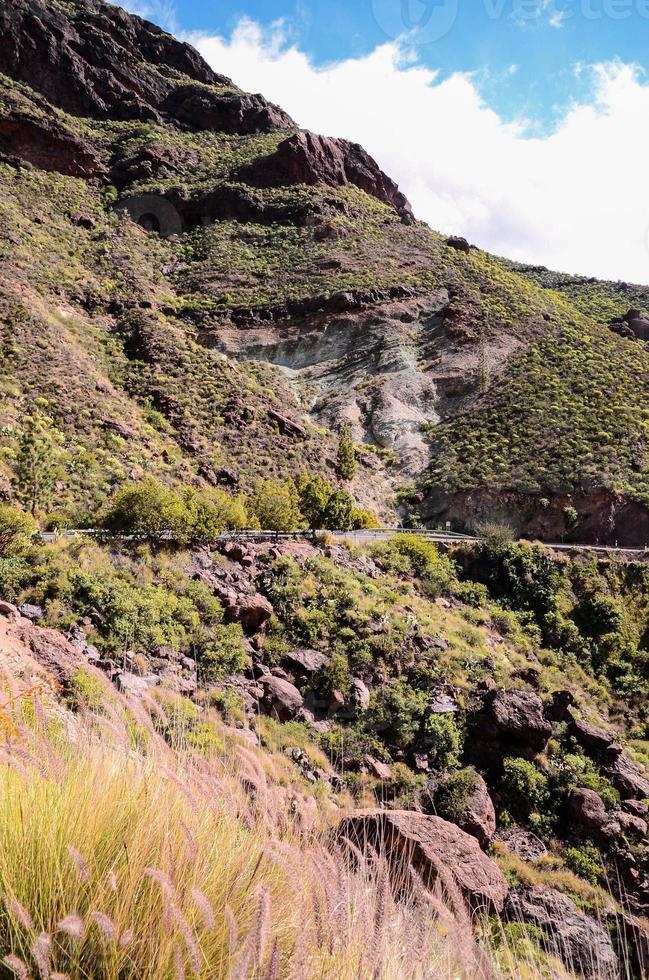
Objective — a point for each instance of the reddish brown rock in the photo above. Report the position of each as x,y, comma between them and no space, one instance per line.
48,146
52,651
281,698
380,770
225,112
360,694
94,59
631,825
587,813
440,852
309,159
592,738
625,774
251,611
479,817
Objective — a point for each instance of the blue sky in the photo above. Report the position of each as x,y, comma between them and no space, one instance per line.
543,39
520,124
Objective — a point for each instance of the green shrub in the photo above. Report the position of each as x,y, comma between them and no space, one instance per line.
314,493
525,787
15,575
446,738
585,861
222,652
211,512
453,796
147,510
339,512
17,530
86,690
409,553
275,504
346,455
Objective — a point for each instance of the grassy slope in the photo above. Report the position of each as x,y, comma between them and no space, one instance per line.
568,410
116,858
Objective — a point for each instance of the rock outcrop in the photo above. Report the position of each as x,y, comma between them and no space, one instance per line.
478,816
48,145
509,716
309,159
441,853
281,698
580,942
96,60
225,112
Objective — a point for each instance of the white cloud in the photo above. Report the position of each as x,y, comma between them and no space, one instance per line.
573,200
162,12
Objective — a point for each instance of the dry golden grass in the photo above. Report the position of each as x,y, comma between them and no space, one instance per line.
160,863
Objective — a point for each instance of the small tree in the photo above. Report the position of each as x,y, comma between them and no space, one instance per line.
275,504
314,495
16,530
147,510
346,455
211,512
338,515
38,463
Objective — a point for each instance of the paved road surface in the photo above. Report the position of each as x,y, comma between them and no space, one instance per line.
374,534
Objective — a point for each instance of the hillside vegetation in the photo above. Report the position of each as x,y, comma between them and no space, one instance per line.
284,756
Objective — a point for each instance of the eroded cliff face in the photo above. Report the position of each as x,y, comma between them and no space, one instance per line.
391,372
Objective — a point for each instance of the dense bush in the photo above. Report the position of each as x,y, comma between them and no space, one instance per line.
524,786
410,554
17,530
452,797
147,510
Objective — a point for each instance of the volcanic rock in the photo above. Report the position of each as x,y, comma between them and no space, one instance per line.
590,737
251,611
305,158
626,775
479,815
581,943
519,715
440,852
281,698
523,843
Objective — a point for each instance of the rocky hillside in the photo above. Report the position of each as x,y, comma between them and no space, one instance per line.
220,291
478,718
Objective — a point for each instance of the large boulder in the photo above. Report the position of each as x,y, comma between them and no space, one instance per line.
251,611
590,737
581,943
360,694
626,775
306,660
441,853
588,817
281,698
519,716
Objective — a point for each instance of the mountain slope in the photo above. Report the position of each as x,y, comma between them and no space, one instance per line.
290,279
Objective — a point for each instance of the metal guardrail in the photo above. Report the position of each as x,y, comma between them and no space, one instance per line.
366,534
